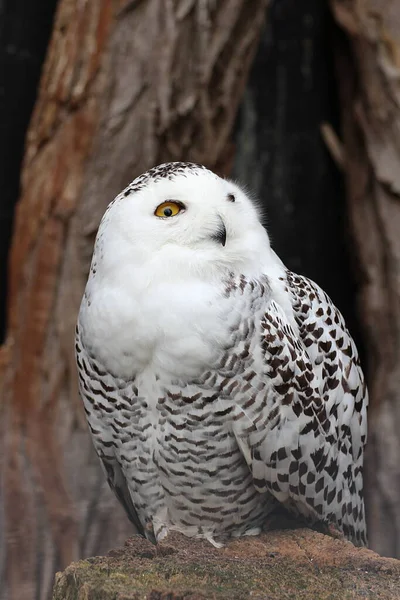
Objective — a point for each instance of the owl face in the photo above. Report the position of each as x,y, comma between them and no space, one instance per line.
192,217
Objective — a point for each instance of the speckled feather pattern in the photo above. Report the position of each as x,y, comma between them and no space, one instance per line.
277,416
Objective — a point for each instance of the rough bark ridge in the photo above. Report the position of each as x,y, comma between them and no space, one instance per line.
24,34
282,565
126,85
291,96
370,89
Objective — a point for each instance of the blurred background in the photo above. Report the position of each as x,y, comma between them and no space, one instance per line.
300,101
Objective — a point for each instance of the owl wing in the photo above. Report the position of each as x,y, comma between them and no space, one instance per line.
90,387
117,482
306,446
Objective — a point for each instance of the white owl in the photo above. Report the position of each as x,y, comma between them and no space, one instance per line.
216,383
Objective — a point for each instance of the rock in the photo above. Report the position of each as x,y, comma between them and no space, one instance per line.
300,565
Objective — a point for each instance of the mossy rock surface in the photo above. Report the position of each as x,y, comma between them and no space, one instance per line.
280,565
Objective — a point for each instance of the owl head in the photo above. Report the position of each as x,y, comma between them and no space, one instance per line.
185,216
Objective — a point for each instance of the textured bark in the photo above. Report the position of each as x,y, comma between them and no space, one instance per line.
25,28
290,98
126,85
368,73
283,565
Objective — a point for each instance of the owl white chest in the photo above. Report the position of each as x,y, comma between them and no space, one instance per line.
166,328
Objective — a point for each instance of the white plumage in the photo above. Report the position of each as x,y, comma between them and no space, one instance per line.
216,383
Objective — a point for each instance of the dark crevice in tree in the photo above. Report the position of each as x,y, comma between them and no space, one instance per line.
25,29
282,157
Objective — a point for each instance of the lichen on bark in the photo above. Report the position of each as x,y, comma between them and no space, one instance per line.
279,565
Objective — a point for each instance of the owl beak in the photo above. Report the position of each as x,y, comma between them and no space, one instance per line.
220,235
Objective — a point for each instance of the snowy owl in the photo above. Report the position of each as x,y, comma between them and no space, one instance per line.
217,384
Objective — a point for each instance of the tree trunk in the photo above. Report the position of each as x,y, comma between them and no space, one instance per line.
368,72
290,97
25,28
300,564
126,85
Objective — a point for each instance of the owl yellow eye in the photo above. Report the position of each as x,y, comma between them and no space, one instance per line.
168,209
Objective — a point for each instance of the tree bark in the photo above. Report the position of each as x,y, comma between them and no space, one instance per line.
281,154
25,28
300,564
126,85
368,72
